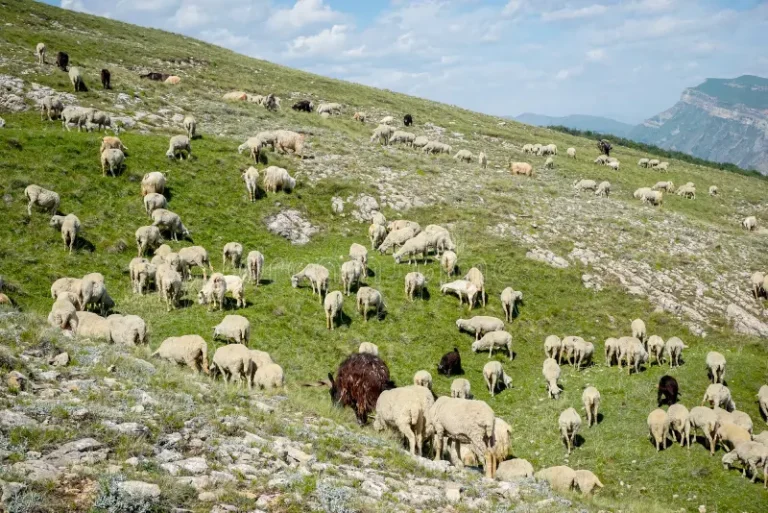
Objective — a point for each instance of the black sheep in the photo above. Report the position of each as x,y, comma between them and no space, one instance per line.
303,105
360,379
154,75
604,147
62,61
408,120
105,79
668,391
450,363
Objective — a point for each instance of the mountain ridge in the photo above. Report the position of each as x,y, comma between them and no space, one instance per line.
577,121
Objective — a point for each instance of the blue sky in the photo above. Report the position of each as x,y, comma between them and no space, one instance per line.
625,59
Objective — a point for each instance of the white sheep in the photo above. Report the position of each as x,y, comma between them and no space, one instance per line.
397,238
194,256
378,218
613,165
587,481
168,283
585,185
549,163
480,325
752,455
436,147
235,328
359,116
569,422
632,350
735,418
269,376
482,160
260,358
233,361
464,155
655,348
69,226
213,291
680,424
462,288
40,53
141,273
571,152
376,233
552,346
658,426
255,262
405,409
560,478
663,166
369,348
509,299
112,142
401,136
494,376
79,116
638,330
642,162
713,190
153,182
603,189
113,160
591,399
250,177
476,278
42,198
718,395
232,252
749,223
551,372
654,198
360,253
278,179
190,350
179,146
415,282
705,420
368,298
317,276
127,330
351,273
93,326
423,378
639,193
63,315
664,186
420,141
567,349
461,389
166,220
673,348
762,399
757,280
94,292
329,108
501,445
494,340
414,248
601,160
521,168
51,107
190,125
333,307
154,201
716,364
448,262
582,352
653,163
101,119
76,79
687,191
382,134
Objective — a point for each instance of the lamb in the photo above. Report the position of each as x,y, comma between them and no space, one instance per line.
368,347
719,395
213,291
168,285
386,120
604,189
450,363
591,399
713,190
400,136
233,361
170,221
76,78
482,160
406,410
179,146
233,251
187,349
332,305
762,399
706,420
382,134
658,425
664,186
494,340
79,116
716,365
234,328
351,272
638,330
288,140
549,163
464,155
127,330
731,435
330,108
551,372
368,298
655,346
749,223
680,424
69,225
642,162
448,262
112,159
585,185
278,179
552,346
494,375
480,325
414,283
674,350
521,168
376,234
51,107
317,276
753,455
560,478
63,315
255,262
420,142
269,376
423,378
101,120
153,182
40,53
757,280
194,256
476,278
190,125
42,198
464,421
461,389
569,423
397,238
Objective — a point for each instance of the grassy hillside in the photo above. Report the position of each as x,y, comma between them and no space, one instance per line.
494,218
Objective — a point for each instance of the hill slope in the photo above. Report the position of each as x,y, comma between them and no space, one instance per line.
723,120
578,122
586,266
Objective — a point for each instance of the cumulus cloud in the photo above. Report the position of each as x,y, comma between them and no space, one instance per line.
596,55
566,73
189,16
326,42
302,14
569,13
513,7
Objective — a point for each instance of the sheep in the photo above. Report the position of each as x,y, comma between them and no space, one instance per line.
658,426
42,198
464,155
450,363
190,125
655,198
448,262
127,330
611,350
713,190
213,291
560,478
567,349
79,116
663,166
680,423
638,330
753,455
719,395
500,449
423,378
749,223
382,134
62,61
269,376
757,280
406,410
673,348
153,182
509,300
664,186
168,283
376,234
332,305
232,252
179,146
330,108
396,238
494,375
601,160
521,168
359,253
106,79
591,399
142,273
386,120
93,291
420,142
582,352
551,372
762,438
251,176
288,140
527,148
414,282
173,80
642,162
360,379
260,358
436,147
63,315
655,348
40,53
461,288
585,185
255,262
101,119
368,298
303,106
278,179
187,349
154,201
476,278
569,422
368,347
687,191
233,361
464,421
549,163
705,420
112,159
739,418
653,163
613,165
400,136
480,325
494,340
461,389
414,248
194,256
632,350
170,221
604,189
716,366
407,120
402,224
379,219
76,78
640,193
482,160
731,435
317,276
762,399
552,345
69,225
351,272
235,328
51,107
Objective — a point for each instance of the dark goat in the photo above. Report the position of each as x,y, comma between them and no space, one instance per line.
408,120
668,391
62,61
450,363
105,79
154,75
604,147
360,379
303,105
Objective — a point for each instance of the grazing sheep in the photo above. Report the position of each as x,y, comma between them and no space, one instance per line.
330,108
494,340
494,375
359,253
179,146
464,155
461,288
40,53
303,106
250,177
569,422
739,418
233,361
512,470
480,325
587,481
632,350
63,315
368,298
680,424
437,147
376,233
190,350
414,248
79,116
112,159
658,425
233,328
757,280
405,409
642,162
450,363
613,165
420,142
153,182
549,163
332,305
360,380
667,391
591,399
288,140
730,435
482,160
655,348
127,330
713,190
407,120
166,220
762,438
42,198
582,352
476,278
500,450
716,366
173,80
638,330
752,455
278,179
351,272
585,185
521,168
397,238
232,252
260,358
653,163
640,193
255,263
762,399
718,395
93,292
368,347
567,349
400,136
551,372
414,282
168,283
663,166
560,478
655,198
402,224
190,125
69,225
674,350
571,152
154,201
382,134
509,300
423,378
705,420
687,191
317,276
379,219
269,376
213,291
194,256
601,160
664,186
51,107
611,351
386,120
461,389
142,273
464,421
552,346
749,223
76,78
101,120
448,262
604,189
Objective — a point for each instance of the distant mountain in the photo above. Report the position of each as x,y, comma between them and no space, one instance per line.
723,120
579,122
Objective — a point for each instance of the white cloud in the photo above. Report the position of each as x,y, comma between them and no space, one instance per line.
326,42
566,73
513,7
650,6
189,16
569,13
147,5
303,13
596,55
356,52
74,5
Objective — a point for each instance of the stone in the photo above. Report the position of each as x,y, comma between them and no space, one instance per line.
126,428
51,375
199,483
177,118
36,471
337,205
290,225
86,451
744,322
133,462
60,360
218,477
10,490
453,492
196,465
140,491
207,497
366,207
167,456
547,257
11,419
511,470
298,456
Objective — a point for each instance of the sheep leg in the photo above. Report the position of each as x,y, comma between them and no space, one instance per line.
437,441
405,429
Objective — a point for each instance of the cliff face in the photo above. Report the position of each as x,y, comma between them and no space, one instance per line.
721,120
